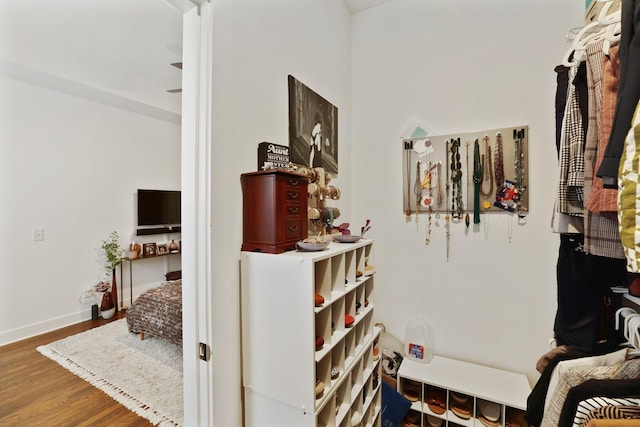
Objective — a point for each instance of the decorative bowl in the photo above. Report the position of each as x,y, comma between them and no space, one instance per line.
311,246
346,238
108,314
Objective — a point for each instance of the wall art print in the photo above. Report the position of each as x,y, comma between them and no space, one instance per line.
313,128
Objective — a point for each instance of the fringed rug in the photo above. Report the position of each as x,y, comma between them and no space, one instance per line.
144,376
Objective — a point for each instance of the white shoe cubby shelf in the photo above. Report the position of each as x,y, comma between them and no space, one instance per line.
449,392
287,379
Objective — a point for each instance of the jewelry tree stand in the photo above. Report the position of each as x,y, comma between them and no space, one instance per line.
321,217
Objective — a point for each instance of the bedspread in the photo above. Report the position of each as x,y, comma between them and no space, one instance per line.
158,312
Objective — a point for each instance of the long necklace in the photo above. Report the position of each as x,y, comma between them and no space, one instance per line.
519,167
407,148
456,179
487,170
417,189
477,181
429,178
439,173
498,165
466,216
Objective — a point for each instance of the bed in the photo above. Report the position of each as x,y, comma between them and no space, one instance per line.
158,313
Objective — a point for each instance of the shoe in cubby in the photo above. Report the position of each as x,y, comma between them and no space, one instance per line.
461,405
488,413
436,399
412,419
433,421
411,390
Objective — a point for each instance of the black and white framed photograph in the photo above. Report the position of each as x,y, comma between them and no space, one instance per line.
149,249
162,248
313,128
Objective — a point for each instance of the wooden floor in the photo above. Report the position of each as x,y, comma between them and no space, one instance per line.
36,391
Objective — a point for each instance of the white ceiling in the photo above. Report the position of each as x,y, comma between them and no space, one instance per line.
123,48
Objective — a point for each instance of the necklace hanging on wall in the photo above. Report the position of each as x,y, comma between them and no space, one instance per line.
477,181
487,169
439,178
498,165
407,152
457,206
518,136
466,216
429,184
417,189
440,191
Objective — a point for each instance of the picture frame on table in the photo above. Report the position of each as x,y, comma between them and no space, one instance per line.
162,249
149,249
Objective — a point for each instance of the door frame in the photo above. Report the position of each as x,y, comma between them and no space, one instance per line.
196,209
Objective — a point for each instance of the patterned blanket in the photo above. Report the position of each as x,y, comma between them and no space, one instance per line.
158,312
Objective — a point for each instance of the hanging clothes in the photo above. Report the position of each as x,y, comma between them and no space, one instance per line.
628,92
571,160
629,196
604,201
582,283
601,235
562,86
572,377
560,221
602,388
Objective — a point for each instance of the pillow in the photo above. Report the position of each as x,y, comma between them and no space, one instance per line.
602,360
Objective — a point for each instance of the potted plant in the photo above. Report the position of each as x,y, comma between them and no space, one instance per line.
112,253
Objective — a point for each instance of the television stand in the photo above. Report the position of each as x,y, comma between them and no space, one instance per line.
158,230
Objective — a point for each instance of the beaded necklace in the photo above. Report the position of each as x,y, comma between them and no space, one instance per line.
439,173
466,215
518,136
417,189
487,169
456,180
498,164
429,178
407,151
477,181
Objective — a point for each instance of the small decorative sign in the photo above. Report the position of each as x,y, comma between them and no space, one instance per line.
272,156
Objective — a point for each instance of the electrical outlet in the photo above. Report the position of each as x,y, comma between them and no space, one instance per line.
38,234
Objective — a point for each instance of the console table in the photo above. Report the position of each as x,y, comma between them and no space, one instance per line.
131,261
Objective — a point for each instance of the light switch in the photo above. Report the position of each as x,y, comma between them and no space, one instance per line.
38,234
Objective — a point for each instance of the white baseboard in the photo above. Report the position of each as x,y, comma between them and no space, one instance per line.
19,334
22,333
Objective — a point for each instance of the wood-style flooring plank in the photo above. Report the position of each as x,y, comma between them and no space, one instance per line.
36,391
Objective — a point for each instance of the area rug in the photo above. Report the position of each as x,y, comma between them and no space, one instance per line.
143,375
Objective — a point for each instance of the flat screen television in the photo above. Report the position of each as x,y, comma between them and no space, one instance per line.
158,211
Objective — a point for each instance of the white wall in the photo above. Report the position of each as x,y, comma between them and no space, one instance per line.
256,45
460,66
78,135
71,167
